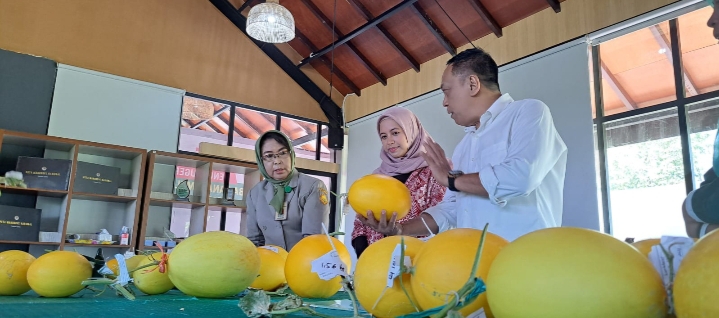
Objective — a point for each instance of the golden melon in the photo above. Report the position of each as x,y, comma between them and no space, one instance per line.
13,272
444,265
377,192
58,274
573,272
272,268
645,246
151,280
370,278
131,263
214,264
697,281
298,267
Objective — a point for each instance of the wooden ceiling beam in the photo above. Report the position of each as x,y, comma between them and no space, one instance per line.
370,24
487,17
618,89
217,112
245,5
367,15
341,76
434,28
308,138
667,49
555,5
326,22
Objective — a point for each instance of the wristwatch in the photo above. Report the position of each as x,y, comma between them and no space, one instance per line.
450,179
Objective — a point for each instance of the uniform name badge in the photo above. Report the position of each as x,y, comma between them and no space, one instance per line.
282,215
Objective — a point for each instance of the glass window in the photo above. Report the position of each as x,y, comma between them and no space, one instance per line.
637,70
249,125
303,135
646,175
325,152
202,121
702,123
699,53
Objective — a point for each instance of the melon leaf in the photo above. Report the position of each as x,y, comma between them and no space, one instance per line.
255,304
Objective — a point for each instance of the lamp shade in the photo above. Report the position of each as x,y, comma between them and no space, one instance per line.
270,22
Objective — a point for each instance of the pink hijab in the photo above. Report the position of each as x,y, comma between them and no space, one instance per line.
416,135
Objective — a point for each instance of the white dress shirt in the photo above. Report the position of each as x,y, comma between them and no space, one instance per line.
521,161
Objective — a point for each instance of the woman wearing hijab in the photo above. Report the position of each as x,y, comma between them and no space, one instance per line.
287,205
403,139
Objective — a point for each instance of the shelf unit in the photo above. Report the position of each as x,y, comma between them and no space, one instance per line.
202,212
71,212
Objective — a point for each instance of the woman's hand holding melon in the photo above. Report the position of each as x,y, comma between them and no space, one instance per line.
384,226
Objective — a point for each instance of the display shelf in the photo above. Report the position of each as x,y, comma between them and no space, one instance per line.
35,191
30,243
205,177
97,245
81,211
102,197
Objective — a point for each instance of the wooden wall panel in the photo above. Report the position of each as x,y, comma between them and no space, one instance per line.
184,44
526,37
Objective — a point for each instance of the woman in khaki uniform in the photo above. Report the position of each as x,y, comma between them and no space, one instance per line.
287,205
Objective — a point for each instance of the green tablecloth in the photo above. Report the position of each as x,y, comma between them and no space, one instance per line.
171,304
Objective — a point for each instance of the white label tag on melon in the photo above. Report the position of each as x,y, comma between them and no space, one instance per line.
129,254
478,314
329,266
124,276
271,248
394,268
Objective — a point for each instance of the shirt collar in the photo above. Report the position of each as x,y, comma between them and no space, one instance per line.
497,107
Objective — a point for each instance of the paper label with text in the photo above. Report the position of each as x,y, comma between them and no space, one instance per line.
329,266
124,276
478,314
677,247
271,248
394,268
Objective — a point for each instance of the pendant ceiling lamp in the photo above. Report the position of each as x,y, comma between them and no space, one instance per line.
270,22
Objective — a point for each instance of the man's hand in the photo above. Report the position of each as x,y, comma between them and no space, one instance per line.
383,226
437,162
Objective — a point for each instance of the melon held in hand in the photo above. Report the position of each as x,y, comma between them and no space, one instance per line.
567,272
372,274
58,274
376,192
303,269
13,272
214,264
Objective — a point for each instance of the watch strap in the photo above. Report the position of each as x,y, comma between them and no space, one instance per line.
450,184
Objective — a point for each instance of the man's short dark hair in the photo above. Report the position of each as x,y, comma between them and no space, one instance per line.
478,62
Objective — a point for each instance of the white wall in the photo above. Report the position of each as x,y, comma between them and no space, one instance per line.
559,77
100,107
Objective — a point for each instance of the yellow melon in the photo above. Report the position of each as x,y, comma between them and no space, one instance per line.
645,246
370,278
298,267
151,280
574,272
214,264
13,272
377,192
696,285
444,265
58,274
272,268
131,263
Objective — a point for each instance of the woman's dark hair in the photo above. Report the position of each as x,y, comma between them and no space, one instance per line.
276,137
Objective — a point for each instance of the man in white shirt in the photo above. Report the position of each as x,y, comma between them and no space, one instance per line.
508,169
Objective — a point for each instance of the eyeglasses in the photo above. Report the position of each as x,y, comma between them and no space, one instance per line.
281,155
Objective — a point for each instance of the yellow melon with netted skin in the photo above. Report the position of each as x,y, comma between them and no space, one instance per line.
13,272
214,264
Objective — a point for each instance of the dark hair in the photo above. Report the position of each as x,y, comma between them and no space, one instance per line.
282,140
478,62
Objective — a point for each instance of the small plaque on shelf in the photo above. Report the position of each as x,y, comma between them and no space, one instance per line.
19,224
182,191
95,178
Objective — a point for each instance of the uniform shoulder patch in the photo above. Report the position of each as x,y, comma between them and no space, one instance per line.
324,197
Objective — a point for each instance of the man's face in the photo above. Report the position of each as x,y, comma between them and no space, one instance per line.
714,20
457,98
